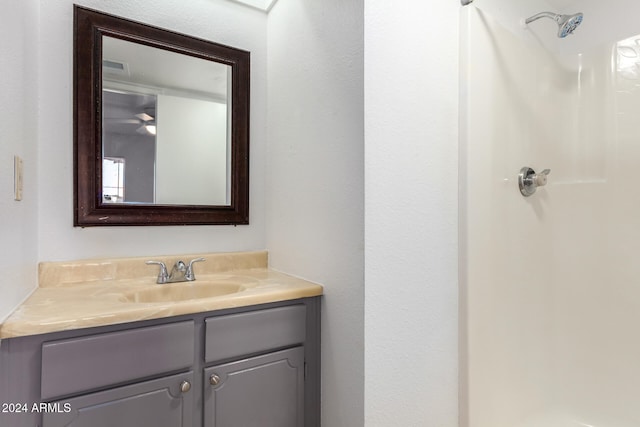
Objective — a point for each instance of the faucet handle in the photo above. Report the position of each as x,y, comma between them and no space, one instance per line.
190,275
164,274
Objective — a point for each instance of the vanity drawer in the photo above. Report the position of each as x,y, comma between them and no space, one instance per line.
253,332
79,364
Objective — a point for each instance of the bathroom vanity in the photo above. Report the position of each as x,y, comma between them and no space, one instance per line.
208,361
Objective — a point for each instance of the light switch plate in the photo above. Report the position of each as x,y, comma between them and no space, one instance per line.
17,178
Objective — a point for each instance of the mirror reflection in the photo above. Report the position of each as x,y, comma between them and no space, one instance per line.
166,121
161,126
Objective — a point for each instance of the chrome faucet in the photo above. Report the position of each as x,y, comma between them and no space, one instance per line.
180,272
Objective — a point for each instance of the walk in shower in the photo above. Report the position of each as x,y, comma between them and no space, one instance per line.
550,283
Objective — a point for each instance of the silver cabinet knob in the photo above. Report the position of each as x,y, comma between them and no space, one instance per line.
185,386
214,379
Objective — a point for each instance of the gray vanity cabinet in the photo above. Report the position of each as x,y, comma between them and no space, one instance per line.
255,366
165,402
263,391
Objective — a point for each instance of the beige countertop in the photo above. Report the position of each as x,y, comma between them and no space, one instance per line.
89,293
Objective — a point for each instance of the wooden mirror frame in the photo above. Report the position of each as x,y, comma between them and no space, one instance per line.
89,208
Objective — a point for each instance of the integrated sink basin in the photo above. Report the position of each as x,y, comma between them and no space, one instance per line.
182,291
100,292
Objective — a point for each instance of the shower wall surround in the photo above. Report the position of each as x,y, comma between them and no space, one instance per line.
550,299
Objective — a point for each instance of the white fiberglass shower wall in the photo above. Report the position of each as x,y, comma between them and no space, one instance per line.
550,284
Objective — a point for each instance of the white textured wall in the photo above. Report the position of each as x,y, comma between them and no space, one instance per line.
313,220
411,140
316,179
18,136
221,21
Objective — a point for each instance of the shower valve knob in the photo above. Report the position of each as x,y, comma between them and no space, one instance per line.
529,180
541,178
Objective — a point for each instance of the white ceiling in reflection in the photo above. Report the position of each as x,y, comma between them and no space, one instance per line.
145,66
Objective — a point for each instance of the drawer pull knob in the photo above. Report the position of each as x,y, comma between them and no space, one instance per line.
185,386
214,379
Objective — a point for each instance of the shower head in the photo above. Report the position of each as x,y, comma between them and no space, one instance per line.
567,24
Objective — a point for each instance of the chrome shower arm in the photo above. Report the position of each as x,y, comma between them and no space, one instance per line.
537,16
466,2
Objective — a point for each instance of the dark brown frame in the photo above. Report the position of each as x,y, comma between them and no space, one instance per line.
89,209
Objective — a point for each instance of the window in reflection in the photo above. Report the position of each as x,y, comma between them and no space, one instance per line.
128,135
113,179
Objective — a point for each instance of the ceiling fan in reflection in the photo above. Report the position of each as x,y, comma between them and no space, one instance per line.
146,121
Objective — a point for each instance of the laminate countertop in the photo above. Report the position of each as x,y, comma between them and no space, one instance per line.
100,292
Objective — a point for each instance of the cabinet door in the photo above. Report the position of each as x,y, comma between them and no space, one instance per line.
157,403
263,391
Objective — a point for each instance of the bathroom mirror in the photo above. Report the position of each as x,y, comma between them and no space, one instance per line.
161,126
